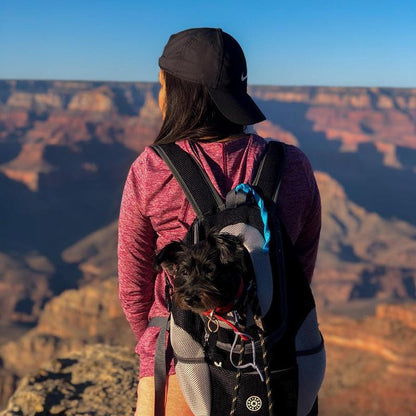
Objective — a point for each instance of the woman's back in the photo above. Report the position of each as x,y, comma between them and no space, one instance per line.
160,205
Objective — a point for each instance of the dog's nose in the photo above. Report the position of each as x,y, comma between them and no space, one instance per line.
192,300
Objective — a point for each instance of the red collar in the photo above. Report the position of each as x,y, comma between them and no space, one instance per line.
222,310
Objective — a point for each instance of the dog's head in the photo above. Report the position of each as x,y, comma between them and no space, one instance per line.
206,275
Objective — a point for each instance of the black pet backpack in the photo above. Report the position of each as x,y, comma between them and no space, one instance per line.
269,358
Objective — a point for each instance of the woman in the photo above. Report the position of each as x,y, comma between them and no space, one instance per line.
205,108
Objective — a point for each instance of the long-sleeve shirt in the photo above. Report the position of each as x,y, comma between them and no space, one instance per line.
154,212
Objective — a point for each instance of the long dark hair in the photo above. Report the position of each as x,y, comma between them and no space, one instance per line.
191,114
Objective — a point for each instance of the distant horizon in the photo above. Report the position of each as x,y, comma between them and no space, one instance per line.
249,85
299,43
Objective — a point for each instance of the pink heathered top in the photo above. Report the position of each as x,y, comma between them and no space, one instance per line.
154,211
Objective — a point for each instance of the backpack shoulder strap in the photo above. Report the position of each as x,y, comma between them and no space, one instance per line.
270,171
194,182
160,363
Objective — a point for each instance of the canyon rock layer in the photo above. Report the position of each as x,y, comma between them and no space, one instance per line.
65,149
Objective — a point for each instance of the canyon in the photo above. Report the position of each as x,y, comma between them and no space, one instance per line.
370,371
65,150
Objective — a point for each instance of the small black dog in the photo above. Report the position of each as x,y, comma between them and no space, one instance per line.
207,275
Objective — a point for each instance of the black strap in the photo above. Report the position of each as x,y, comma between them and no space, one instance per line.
198,188
160,363
194,182
268,178
270,171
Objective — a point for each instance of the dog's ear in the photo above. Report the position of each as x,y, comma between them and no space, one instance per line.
230,247
169,256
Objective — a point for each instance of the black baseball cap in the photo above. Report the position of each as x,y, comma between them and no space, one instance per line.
213,58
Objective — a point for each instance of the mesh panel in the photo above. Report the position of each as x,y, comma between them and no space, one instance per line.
252,237
311,367
183,344
308,335
311,374
253,241
192,370
196,387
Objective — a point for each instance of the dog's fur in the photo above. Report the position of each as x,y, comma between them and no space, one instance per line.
206,275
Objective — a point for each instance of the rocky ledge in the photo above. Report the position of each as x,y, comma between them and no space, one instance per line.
98,380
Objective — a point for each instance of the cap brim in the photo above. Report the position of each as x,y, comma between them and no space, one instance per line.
238,108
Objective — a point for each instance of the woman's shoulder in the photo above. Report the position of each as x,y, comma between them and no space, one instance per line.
292,153
296,155
298,171
148,161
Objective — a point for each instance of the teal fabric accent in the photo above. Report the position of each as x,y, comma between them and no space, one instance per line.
263,212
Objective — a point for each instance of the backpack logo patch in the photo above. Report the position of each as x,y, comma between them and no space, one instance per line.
254,403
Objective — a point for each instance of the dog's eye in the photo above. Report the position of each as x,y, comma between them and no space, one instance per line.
208,268
183,273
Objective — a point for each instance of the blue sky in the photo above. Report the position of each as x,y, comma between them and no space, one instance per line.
340,43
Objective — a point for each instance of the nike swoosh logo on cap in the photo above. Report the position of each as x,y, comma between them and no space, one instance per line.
243,77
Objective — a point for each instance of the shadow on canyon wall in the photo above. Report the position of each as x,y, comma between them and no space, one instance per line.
8,151
367,181
80,195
